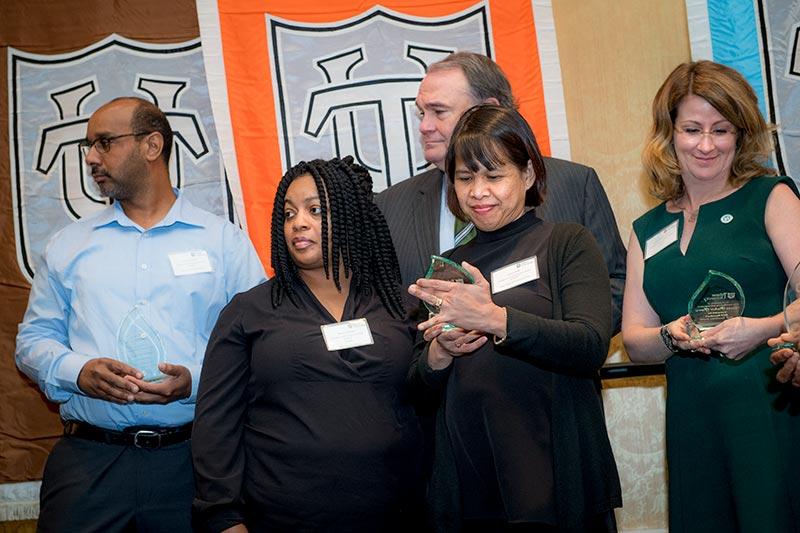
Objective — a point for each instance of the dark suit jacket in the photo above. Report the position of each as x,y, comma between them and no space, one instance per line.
574,194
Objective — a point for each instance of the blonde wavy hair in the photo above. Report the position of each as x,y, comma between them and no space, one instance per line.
731,95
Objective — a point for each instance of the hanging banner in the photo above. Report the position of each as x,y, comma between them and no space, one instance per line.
292,82
760,39
52,96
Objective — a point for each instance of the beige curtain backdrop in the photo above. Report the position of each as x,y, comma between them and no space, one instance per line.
614,55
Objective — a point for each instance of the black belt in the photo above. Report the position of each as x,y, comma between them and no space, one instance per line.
140,436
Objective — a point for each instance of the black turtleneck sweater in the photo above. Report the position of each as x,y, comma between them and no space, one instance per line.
520,434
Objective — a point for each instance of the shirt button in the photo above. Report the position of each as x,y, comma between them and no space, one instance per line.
144,266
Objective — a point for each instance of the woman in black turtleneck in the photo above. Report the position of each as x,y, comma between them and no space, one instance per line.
520,440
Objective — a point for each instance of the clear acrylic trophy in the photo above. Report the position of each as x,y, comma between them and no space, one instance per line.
139,345
446,270
717,299
791,307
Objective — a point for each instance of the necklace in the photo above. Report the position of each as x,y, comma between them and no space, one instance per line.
691,215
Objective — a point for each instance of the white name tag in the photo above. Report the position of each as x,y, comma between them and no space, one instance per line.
515,274
194,262
661,240
349,334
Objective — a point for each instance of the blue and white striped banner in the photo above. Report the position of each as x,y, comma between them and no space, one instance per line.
760,39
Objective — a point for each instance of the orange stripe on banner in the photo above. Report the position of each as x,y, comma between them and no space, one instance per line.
517,53
244,47
251,99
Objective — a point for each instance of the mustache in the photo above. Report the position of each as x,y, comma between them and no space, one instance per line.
97,170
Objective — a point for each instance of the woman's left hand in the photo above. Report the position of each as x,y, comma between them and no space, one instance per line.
455,341
734,338
466,305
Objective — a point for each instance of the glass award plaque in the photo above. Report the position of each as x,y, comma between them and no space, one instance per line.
717,299
446,270
791,305
139,345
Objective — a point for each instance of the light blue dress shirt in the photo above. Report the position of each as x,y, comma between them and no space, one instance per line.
447,221
92,274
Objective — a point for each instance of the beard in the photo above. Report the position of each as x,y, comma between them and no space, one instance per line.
113,189
124,183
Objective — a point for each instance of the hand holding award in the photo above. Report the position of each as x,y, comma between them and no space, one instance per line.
784,347
717,299
446,270
451,340
140,346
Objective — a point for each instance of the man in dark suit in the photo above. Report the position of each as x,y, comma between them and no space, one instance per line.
415,209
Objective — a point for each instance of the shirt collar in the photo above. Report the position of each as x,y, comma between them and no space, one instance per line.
181,212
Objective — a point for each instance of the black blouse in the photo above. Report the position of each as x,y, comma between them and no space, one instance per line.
521,436
290,436
498,407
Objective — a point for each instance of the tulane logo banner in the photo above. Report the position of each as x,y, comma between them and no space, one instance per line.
295,81
52,96
358,96
761,39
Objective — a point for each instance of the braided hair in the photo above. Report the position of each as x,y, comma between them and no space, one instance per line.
360,240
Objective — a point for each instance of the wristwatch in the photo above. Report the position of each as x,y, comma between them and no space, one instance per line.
669,342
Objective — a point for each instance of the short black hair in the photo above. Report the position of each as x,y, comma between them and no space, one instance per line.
491,135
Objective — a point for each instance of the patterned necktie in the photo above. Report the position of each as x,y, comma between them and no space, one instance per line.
463,232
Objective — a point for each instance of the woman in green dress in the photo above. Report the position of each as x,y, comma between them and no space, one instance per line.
730,423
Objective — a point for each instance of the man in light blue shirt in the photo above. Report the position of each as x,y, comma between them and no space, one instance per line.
153,260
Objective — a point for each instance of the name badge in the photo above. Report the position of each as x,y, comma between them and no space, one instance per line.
194,262
515,274
661,240
349,334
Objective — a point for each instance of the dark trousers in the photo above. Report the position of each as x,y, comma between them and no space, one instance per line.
604,523
90,486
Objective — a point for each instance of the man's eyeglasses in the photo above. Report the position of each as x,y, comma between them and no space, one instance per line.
103,144
716,134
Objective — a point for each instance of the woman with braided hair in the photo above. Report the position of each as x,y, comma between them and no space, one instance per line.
302,419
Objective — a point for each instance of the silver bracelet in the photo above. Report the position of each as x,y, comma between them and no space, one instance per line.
498,341
669,342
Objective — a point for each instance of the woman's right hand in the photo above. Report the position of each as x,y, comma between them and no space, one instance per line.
468,305
679,329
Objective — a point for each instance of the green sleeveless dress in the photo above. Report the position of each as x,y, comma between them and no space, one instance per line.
731,427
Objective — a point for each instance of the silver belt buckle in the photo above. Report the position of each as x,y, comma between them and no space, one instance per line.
146,435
